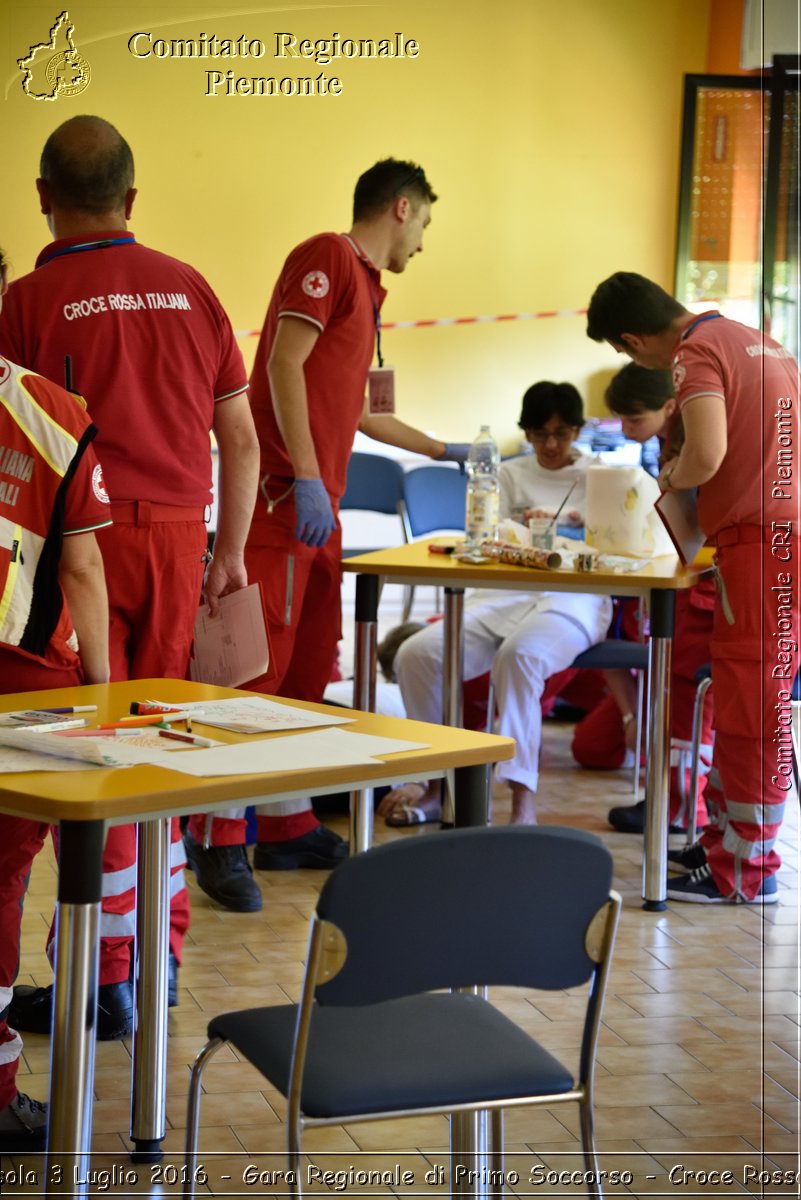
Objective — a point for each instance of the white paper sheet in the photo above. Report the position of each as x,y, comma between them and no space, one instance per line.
232,647
98,752
318,748
21,761
255,714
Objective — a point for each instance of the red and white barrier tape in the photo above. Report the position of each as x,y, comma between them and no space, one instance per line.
565,312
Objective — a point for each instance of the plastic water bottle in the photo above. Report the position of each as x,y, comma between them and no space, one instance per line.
482,509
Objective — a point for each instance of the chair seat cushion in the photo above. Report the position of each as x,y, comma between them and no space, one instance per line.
434,1050
614,654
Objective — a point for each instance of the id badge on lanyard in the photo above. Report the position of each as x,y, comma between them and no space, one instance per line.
381,390
380,379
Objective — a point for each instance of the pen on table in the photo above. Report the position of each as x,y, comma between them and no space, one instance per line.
191,738
95,732
151,719
75,708
133,722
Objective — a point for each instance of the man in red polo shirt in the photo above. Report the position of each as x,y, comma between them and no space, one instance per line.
308,400
738,394
154,354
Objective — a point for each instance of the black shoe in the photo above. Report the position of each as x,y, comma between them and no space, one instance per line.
689,858
700,888
31,1010
320,848
630,818
224,874
23,1126
172,981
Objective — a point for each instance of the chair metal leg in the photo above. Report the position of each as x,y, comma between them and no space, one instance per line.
408,602
490,771
695,755
293,1132
496,1154
638,746
588,1148
193,1115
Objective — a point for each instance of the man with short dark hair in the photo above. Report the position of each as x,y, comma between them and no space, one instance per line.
155,356
308,400
738,394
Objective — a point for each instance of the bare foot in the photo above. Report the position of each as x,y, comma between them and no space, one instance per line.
524,805
411,804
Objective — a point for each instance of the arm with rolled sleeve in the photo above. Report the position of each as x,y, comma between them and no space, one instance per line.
238,480
84,585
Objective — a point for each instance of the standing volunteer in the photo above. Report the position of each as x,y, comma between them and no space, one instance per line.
155,356
53,633
738,395
308,398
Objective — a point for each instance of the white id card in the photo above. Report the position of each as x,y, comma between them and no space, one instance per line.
381,390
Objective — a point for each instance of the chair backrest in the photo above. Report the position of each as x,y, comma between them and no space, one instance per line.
375,484
435,499
508,906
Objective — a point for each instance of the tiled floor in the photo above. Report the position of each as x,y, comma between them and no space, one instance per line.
698,1063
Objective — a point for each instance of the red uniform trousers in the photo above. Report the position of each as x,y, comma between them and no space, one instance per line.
599,741
302,600
154,574
20,842
754,663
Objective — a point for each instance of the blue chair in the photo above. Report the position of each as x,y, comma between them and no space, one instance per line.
376,1036
616,654
434,501
375,484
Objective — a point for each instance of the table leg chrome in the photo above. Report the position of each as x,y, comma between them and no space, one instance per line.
657,792
72,1049
453,659
452,672
149,1093
364,672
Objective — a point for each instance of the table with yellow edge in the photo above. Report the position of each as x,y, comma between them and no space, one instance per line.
83,803
657,581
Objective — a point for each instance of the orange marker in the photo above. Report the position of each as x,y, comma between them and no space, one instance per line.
133,722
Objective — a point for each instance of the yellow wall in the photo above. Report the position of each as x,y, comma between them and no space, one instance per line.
550,128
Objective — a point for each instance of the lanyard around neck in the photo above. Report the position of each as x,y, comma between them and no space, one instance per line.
698,321
126,240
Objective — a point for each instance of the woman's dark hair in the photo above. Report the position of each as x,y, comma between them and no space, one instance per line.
635,389
386,650
544,400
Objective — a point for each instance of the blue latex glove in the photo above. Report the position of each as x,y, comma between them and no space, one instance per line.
455,452
315,522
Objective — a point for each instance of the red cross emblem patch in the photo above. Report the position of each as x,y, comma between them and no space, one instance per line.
316,284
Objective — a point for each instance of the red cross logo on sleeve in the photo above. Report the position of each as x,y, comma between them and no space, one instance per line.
316,284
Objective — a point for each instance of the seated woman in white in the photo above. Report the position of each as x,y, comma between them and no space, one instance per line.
523,637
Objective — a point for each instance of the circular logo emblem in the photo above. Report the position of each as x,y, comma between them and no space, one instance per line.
69,72
5,370
316,284
679,375
98,486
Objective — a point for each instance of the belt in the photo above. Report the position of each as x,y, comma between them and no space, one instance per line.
144,512
734,535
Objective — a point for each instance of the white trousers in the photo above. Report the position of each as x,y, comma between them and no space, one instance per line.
542,641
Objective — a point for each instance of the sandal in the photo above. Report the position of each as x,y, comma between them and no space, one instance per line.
403,807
